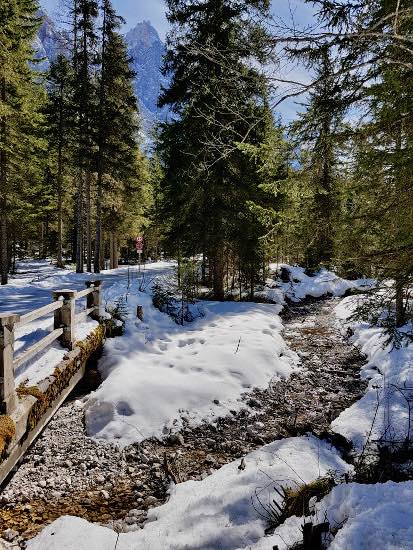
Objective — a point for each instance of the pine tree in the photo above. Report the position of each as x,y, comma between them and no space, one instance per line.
85,38
60,121
218,99
20,102
117,120
317,131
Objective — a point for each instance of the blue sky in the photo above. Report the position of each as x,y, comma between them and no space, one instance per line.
154,11
134,11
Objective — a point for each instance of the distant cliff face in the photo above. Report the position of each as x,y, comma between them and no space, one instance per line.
49,42
146,50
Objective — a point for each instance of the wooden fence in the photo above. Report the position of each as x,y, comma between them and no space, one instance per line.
65,320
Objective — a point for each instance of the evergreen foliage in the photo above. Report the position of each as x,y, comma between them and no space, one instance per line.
21,120
220,104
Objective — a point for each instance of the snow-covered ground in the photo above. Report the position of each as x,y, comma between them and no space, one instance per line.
159,374
384,409
222,511
323,283
370,516
31,288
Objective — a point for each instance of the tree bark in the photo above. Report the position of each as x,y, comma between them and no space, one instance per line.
102,251
88,223
79,224
219,273
400,309
4,261
101,148
115,251
114,262
60,184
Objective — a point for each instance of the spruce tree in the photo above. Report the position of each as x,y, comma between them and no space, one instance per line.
20,118
317,131
218,101
60,122
117,120
85,39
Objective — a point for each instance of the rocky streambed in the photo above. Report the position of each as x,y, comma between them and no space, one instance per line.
65,472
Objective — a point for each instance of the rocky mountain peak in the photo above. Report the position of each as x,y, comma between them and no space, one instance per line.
143,34
145,48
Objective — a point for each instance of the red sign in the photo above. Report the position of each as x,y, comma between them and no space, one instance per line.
139,245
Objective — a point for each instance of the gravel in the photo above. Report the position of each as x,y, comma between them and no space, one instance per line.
65,472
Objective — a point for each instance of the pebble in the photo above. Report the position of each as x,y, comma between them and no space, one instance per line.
95,467
150,501
10,535
177,439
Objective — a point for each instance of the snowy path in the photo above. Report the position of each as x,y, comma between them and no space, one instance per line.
31,288
67,473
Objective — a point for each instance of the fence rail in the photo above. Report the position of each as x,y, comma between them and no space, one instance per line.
65,320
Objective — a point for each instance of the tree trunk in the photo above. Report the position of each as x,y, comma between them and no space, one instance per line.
60,185
102,251
88,223
79,224
113,250
4,261
400,309
42,245
98,237
101,144
110,250
252,285
219,274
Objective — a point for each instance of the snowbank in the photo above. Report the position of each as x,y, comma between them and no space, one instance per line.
217,512
71,533
31,288
160,373
363,517
372,516
323,283
389,371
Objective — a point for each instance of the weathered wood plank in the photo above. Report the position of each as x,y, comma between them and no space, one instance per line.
41,312
37,347
83,293
82,316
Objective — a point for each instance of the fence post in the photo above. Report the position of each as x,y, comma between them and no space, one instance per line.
65,317
94,299
8,396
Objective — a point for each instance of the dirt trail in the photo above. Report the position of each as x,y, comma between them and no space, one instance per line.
67,473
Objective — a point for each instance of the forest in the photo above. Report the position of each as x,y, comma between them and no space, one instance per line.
222,177
206,322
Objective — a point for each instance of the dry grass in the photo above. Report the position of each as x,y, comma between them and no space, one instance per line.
296,500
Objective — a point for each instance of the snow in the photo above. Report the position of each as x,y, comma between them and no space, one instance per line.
323,283
31,288
159,372
373,516
71,533
364,516
43,364
159,375
383,409
217,512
